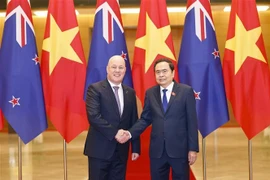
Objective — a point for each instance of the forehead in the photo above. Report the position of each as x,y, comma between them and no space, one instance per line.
117,62
162,65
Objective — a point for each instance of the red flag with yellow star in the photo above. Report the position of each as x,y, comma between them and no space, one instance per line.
1,120
153,41
245,69
63,68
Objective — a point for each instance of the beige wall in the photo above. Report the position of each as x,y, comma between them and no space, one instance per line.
130,23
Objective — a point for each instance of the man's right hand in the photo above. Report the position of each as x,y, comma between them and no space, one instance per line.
122,136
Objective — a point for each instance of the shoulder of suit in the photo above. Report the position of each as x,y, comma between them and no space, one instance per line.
184,86
99,84
153,88
128,88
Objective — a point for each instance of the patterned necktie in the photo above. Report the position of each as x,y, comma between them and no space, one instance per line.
117,98
164,100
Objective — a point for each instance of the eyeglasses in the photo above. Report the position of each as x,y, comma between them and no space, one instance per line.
163,71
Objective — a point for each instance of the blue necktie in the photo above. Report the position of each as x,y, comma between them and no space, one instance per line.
164,100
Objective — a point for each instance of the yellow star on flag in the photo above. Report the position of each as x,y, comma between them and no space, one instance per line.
154,42
59,44
244,44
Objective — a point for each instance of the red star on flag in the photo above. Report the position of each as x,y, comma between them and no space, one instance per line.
215,53
197,95
124,55
14,101
36,59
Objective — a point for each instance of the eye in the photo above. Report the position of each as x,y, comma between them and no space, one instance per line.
164,70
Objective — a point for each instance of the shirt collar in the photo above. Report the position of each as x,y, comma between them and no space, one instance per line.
169,88
112,84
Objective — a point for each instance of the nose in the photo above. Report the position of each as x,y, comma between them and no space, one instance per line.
161,74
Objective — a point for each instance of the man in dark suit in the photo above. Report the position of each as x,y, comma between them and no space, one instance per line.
170,108
111,106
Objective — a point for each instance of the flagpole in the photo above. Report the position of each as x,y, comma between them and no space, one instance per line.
204,159
65,159
250,159
19,158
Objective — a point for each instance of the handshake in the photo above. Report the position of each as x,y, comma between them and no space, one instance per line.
122,136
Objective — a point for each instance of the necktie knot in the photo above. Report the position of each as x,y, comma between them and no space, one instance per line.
115,88
164,100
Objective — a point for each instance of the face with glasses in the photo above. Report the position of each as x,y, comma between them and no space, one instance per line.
164,75
116,69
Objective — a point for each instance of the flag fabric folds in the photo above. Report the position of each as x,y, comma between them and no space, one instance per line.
107,40
200,67
153,41
245,68
63,70
21,93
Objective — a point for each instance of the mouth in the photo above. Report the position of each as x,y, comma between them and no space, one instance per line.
117,75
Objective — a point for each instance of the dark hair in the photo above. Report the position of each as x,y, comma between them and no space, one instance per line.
164,60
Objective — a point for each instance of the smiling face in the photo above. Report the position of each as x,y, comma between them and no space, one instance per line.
116,69
164,75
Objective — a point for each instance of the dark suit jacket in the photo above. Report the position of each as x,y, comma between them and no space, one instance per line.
175,129
105,120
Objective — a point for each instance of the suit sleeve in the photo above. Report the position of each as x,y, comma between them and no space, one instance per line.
94,115
192,124
135,142
144,121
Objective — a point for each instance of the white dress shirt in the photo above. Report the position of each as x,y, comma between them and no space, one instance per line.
168,92
120,95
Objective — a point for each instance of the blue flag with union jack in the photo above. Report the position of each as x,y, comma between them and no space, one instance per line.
200,67
21,93
107,40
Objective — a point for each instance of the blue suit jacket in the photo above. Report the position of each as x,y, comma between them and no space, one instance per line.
175,129
105,120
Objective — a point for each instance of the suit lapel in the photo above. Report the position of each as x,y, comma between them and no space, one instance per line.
125,96
175,92
158,97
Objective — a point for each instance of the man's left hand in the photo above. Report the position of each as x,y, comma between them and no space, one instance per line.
134,156
192,156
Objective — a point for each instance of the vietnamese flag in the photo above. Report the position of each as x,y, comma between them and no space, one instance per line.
245,69
1,120
153,41
63,68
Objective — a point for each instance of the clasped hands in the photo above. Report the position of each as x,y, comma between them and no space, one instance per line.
122,136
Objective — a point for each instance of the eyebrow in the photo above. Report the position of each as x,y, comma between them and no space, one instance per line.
161,69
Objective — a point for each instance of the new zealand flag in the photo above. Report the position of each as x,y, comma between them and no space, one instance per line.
21,95
107,40
199,66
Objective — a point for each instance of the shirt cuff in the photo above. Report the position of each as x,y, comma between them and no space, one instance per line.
129,134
